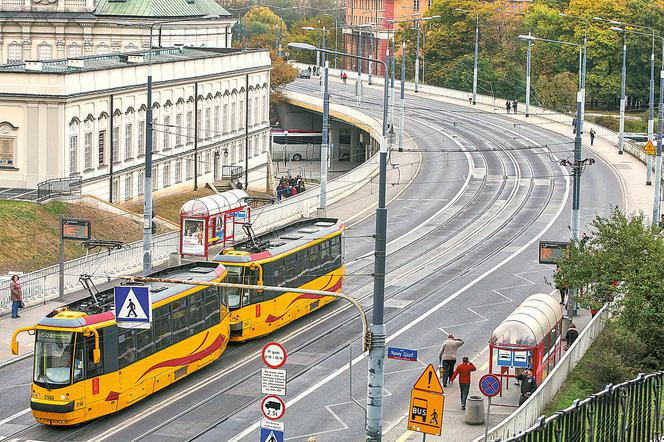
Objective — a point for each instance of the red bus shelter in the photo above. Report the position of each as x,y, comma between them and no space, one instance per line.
210,220
530,337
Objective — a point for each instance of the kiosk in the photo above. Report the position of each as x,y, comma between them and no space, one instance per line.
210,220
530,337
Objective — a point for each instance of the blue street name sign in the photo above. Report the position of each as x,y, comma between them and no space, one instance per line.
133,306
402,354
268,435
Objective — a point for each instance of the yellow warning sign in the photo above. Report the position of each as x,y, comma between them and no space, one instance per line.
426,404
426,412
428,381
650,148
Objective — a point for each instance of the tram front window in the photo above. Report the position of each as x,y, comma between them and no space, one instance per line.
233,295
54,351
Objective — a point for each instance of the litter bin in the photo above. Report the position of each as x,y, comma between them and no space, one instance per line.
474,410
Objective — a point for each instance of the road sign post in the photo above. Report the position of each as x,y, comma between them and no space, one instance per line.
74,229
274,355
490,387
273,384
425,414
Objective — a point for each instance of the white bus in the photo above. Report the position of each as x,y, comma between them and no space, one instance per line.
295,145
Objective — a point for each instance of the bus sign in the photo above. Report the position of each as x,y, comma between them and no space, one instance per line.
551,252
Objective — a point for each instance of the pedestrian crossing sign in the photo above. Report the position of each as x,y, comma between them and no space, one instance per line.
133,306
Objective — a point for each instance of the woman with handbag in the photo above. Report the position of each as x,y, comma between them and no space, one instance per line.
16,295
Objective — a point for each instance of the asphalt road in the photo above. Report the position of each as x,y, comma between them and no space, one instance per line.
462,254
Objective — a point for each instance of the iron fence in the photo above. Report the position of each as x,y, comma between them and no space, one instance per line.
628,412
233,174
59,187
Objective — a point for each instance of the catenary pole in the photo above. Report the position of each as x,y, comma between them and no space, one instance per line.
651,109
623,77
660,129
417,59
528,58
147,190
325,141
477,50
403,94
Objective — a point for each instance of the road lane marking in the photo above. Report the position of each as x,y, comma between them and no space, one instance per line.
404,437
434,309
14,416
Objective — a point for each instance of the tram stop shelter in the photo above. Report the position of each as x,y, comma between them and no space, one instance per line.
210,220
530,337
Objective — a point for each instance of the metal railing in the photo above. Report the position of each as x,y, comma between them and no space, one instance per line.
59,188
233,174
628,412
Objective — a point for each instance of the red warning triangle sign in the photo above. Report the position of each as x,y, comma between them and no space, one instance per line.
428,381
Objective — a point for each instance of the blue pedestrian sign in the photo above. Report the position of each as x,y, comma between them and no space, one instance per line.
402,354
133,306
268,435
490,385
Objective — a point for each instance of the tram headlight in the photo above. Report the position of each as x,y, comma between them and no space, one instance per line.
36,395
63,397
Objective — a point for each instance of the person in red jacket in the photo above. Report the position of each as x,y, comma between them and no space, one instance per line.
463,370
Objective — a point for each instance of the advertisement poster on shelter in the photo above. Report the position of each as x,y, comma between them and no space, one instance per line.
193,233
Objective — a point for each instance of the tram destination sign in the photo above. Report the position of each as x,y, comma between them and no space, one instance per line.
76,229
552,252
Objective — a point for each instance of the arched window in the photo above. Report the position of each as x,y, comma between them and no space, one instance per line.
103,49
74,50
131,47
73,148
44,51
14,52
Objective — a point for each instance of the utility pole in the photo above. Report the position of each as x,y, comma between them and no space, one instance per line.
621,124
392,84
325,143
147,191
528,58
660,127
477,49
651,108
403,94
417,59
358,83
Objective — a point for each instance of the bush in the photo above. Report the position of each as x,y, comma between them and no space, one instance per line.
608,122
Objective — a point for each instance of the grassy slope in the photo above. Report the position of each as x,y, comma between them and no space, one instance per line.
168,206
30,232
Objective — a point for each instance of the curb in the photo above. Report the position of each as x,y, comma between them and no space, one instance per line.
16,359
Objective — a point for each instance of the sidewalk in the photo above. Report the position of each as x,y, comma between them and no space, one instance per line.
351,209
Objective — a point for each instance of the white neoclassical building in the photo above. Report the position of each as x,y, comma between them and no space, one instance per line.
54,29
85,117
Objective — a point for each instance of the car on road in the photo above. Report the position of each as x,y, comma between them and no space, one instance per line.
305,73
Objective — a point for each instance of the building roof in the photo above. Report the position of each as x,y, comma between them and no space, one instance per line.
158,8
119,60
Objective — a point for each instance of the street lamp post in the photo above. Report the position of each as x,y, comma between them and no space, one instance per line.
403,94
528,58
374,418
477,50
623,77
660,127
417,59
578,163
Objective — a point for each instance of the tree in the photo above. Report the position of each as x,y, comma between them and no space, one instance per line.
557,92
281,74
622,263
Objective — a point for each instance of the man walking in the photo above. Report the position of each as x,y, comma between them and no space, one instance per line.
463,370
515,103
528,385
508,106
592,136
447,357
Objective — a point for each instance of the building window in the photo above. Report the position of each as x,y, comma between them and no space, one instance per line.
141,137
208,129
116,144
103,49
129,141
256,109
73,154
131,47
74,50
116,190
141,182
102,147
128,187
155,178
155,133
44,51
187,168
224,127
190,127
166,173
178,171
167,132
233,118
178,129
208,161
87,149
263,109
241,123
14,53
217,117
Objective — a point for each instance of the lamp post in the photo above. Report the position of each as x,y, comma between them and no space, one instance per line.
660,127
578,163
477,49
374,420
147,186
417,20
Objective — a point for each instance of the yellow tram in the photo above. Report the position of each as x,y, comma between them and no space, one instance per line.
307,254
85,366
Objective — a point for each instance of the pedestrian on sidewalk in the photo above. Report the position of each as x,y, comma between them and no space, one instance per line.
528,385
16,295
508,106
447,357
470,98
571,335
345,77
592,136
561,286
463,370
515,103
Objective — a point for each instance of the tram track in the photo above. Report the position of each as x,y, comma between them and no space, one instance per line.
340,309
